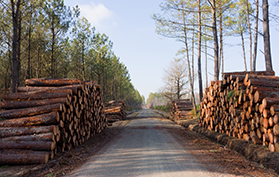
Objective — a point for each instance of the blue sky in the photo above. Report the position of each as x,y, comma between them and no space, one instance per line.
146,54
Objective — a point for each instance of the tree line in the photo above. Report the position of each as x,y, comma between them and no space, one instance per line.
46,38
201,25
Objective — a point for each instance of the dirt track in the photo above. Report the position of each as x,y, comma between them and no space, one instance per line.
149,146
146,145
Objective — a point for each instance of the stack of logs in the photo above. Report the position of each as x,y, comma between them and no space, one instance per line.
244,105
114,111
181,109
46,116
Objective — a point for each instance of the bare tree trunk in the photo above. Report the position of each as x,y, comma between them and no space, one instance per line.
243,49
256,35
250,33
38,63
29,54
83,61
267,51
52,56
215,39
199,51
221,43
205,58
19,48
188,59
193,56
15,46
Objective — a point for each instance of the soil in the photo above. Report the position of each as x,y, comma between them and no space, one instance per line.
224,159
64,162
206,151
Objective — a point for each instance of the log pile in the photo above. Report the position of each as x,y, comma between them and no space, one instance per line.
46,116
244,105
181,109
114,111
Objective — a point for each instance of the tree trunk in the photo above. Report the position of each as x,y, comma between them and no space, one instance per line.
188,60
256,36
199,51
267,50
83,60
15,60
221,43
250,33
52,51
243,49
215,39
205,57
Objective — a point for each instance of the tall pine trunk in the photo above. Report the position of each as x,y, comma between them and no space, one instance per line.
215,39
188,58
256,36
16,44
243,49
199,51
250,34
267,50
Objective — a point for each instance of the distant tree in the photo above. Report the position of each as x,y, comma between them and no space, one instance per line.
175,80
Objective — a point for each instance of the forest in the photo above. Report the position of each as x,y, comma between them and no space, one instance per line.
202,28
47,39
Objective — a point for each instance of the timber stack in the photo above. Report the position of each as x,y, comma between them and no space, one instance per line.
244,105
46,116
114,111
181,109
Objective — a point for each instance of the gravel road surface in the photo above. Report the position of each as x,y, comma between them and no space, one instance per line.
144,148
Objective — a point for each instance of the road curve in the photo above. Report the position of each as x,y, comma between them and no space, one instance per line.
144,148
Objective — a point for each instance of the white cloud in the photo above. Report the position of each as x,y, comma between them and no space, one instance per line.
97,14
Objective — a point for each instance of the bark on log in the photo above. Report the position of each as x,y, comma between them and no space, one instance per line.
18,131
74,88
26,158
265,73
52,82
24,112
30,103
50,94
34,137
43,119
28,145
263,92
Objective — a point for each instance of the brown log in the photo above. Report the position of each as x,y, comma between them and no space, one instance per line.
34,137
269,101
276,129
23,158
52,82
17,131
271,147
263,83
30,103
24,112
275,119
74,88
30,145
49,94
43,119
264,92
265,73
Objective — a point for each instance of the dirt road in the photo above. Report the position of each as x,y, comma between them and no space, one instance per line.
145,148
